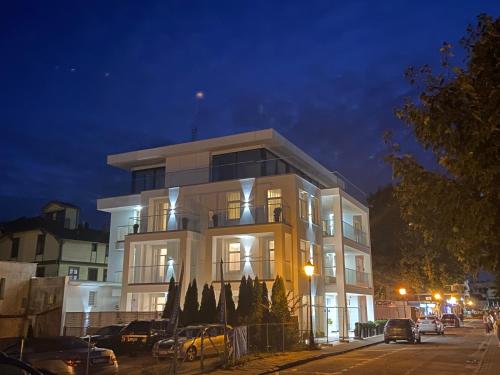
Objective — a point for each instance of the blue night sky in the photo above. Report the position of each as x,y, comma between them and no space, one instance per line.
83,79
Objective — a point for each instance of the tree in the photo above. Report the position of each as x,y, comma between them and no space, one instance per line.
230,308
208,308
243,309
279,303
190,311
169,305
265,303
256,308
454,207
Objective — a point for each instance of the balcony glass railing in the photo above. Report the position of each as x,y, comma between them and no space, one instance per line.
328,228
357,278
234,271
330,274
169,221
355,234
248,214
158,274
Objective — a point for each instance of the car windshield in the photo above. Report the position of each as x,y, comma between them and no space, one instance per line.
110,330
448,316
398,323
139,326
56,344
191,333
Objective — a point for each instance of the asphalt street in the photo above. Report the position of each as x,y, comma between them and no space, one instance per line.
465,350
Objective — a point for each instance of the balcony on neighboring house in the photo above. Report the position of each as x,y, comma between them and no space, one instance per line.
328,228
357,278
155,274
355,234
264,269
170,220
246,214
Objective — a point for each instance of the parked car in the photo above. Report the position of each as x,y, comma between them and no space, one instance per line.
142,334
401,329
450,320
12,366
430,324
65,355
107,337
190,342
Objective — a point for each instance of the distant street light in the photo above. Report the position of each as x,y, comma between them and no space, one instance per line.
309,270
402,291
437,296
470,303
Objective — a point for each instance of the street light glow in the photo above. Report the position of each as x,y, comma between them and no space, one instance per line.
437,296
309,268
402,291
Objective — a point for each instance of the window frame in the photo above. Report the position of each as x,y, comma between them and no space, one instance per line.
233,206
40,244
72,274
92,301
303,204
14,248
233,264
96,273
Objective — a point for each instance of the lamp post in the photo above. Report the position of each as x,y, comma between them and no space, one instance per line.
309,270
438,298
402,293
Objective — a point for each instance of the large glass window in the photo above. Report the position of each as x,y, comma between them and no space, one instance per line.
233,200
148,179
274,209
160,216
303,205
40,244
315,210
234,256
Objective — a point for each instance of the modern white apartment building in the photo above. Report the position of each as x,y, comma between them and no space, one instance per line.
256,201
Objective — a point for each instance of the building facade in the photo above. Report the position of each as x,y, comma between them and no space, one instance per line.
255,201
60,246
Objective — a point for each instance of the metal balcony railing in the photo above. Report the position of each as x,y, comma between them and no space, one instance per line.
157,274
355,234
245,214
234,271
170,220
357,278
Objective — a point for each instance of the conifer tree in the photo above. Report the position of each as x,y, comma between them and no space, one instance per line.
169,305
279,304
230,309
208,311
243,296
190,311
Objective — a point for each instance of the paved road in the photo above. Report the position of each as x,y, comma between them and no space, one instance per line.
465,350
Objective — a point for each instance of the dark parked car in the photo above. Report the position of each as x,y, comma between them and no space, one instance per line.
12,366
401,329
107,337
450,320
142,334
65,355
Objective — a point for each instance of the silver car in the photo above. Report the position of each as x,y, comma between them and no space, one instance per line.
430,324
65,355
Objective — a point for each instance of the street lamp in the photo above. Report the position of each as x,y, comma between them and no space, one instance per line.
437,296
402,293
309,270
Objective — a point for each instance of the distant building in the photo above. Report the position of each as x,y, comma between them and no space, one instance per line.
254,200
483,291
61,246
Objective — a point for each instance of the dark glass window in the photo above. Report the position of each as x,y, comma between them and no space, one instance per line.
92,274
14,250
40,271
105,274
148,179
40,244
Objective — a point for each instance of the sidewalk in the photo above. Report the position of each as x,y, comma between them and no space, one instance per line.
269,363
490,361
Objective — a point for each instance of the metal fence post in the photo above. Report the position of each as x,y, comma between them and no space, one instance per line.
283,336
267,336
201,350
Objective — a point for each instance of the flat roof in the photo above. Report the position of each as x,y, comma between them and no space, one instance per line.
268,138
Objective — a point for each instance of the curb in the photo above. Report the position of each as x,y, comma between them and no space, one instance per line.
315,358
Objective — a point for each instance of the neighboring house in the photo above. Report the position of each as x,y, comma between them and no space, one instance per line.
14,290
254,200
60,246
483,291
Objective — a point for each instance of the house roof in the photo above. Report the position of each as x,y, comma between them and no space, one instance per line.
59,203
82,233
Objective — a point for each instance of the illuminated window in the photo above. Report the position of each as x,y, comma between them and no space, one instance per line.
274,209
160,216
74,273
234,256
233,200
92,298
315,210
303,206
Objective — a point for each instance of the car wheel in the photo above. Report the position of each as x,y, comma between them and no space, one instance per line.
191,354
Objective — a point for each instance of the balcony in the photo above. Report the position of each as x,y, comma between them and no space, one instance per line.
357,278
234,271
328,228
248,214
157,274
330,275
355,234
171,220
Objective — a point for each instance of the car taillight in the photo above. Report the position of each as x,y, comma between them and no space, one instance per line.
72,362
434,321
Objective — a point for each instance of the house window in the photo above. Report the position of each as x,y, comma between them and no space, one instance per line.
92,298
234,256
74,273
303,206
315,210
40,244
93,253
274,209
92,274
304,248
40,272
106,252
2,287
233,200
14,250
105,274
160,217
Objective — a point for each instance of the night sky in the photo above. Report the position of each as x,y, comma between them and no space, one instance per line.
83,79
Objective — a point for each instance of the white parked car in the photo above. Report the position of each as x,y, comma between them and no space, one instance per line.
430,324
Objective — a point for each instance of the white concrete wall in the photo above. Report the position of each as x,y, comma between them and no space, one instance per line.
16,286
77,300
